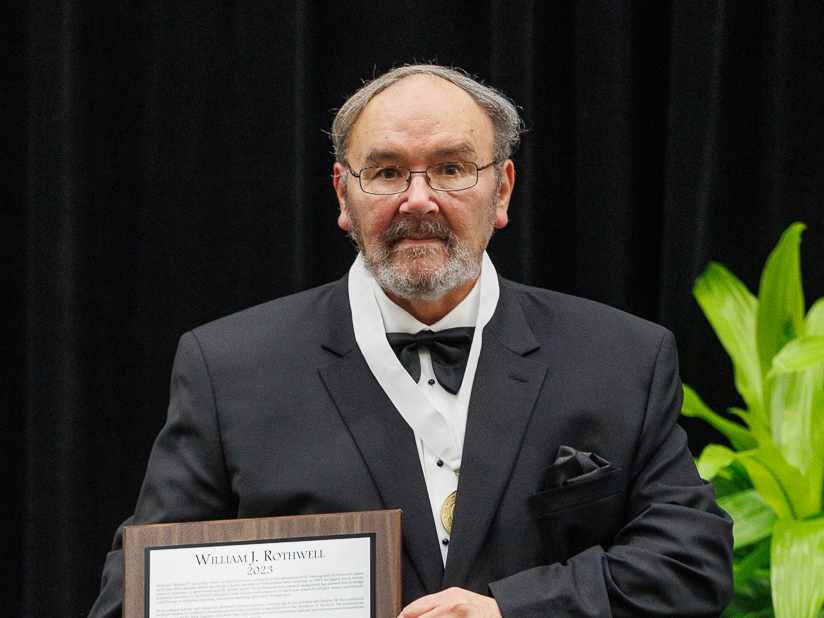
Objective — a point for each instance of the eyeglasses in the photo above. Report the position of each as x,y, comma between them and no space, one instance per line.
391,179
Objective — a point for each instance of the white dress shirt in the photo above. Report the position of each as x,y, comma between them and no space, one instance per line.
437,417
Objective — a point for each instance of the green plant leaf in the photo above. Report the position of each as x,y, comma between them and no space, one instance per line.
815,377
799,398
751,596
752,563
814,323
797,568
752,518
798,354
815,431
731,480
713,459
742,414
731,310
780,315
794,388
776,353
781,485
739,436
758,431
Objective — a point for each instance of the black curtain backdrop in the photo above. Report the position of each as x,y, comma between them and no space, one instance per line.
167,163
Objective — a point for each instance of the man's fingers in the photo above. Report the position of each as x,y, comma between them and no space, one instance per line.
418,608
452,603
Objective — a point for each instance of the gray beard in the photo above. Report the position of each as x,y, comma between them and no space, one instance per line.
427,284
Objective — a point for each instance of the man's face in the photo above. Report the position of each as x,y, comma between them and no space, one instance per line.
422,243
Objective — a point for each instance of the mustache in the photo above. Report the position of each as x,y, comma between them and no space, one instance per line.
403,228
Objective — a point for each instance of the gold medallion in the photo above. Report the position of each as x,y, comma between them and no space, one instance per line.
447,511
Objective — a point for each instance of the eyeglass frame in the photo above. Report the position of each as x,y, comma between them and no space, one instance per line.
478,170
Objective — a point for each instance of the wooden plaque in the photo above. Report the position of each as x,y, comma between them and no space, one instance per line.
384,527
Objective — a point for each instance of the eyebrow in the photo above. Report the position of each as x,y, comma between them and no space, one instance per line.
378,156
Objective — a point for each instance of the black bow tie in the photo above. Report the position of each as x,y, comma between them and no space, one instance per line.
448,348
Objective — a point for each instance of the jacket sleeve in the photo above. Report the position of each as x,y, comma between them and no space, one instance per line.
186,479
673,555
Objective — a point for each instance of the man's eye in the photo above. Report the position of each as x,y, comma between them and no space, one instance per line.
449,170
388,173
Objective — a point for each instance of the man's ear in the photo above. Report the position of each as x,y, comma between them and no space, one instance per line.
505,193
340,191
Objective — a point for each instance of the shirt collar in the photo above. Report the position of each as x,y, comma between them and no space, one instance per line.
398,320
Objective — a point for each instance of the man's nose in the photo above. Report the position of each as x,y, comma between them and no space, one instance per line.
419,197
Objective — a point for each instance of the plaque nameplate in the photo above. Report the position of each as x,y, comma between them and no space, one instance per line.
328,566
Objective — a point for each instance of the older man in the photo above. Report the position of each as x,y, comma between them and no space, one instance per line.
530,438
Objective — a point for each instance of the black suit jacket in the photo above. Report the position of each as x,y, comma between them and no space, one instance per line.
274,411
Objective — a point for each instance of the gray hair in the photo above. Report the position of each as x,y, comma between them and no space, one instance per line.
506,122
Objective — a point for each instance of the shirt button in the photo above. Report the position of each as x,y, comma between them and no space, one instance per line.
431,381
445,541
440,463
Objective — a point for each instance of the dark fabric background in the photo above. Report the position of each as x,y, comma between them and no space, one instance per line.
166,163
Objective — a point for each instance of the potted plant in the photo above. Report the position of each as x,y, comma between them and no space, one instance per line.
772,479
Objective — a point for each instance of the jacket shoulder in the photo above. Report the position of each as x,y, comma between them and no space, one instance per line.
288,327
281,312
582,322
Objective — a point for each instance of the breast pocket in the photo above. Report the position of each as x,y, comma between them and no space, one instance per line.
578,516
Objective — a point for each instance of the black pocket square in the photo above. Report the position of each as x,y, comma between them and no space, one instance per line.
574,466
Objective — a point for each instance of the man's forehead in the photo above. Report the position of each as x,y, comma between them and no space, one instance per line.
422,109
458,150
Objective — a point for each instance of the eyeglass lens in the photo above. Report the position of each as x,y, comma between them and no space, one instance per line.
452,176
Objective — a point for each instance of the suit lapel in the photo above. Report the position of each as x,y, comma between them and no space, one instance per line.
503,396
385,441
